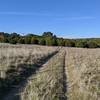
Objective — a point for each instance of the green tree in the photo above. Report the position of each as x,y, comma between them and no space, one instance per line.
92,44
2,38
42,42
61,42
27,40
54,42
49,41
34,40
21,40
69,43
14,35
47,34
82,44
13,41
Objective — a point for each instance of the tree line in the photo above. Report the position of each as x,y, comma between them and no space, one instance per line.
49,39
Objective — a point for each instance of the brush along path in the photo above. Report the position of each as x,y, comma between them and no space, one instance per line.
49,82
15,88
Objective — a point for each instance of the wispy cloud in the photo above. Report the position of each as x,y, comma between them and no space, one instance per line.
30,14
58,17
19,13
75,18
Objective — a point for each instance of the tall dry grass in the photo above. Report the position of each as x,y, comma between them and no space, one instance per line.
11,56
17,62
80,66
47,84
83,73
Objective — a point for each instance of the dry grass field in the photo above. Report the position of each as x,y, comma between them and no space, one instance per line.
48,83
83,73
31,72
20,61
11,56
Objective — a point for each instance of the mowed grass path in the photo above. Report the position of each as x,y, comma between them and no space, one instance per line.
49,81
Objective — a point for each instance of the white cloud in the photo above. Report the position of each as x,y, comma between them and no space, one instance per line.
31,13
57,17
18,13
75,18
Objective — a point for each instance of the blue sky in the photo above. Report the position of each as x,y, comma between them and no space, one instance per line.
65,18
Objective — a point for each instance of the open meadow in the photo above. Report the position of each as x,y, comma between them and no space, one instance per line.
50,50
33,72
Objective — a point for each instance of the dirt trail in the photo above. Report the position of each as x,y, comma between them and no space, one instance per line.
66,74
65,77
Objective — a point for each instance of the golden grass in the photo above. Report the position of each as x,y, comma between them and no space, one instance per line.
83,73
82,67
11,56
47,84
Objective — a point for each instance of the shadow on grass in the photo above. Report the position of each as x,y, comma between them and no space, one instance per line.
16,80
64,81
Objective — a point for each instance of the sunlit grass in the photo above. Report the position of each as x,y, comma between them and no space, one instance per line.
83,72
47,84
